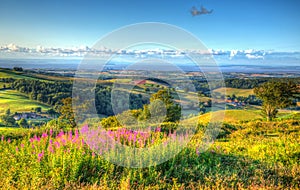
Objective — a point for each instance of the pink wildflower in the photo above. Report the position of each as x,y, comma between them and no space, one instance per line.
197,151
84,129
61,133
40,155
50,148
8,140
70,135
57,144
76,134
44,135
17,149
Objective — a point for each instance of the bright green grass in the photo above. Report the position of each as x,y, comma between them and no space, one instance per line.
17,102
233,116
228,116
4,73
236,91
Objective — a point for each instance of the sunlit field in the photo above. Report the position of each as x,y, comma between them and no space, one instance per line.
18,102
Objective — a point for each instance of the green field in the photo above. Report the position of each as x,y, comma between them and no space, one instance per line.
227,116
18,102
236,91
5,73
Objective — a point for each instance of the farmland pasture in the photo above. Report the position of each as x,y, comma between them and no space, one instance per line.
18,102
236,91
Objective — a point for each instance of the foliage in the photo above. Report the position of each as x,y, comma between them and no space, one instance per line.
66,111
38,109
7,119
275,95
110,122
18,102
173,110
246,157
20,69
23,123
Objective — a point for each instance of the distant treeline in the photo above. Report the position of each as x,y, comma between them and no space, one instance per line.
202,85
52,93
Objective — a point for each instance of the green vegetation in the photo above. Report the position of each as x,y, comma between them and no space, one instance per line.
254,155
249,152
7,119
276,95
18,102
235,91
234,116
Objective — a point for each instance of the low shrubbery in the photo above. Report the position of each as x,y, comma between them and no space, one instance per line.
254,155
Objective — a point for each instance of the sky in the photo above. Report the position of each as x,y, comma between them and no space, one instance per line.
234,24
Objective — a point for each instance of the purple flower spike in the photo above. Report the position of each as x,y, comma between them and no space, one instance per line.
197,151
70,135
76,134
44,135
40,155
84,129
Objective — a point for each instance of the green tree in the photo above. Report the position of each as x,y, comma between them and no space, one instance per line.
173,110
38,109
66,111
51,112
7,112
23,123
275,95
8,119
202,108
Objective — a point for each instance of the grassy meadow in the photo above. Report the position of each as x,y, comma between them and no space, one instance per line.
18,102
248,155
236,91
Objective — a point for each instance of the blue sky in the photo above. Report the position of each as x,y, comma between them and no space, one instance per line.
234,24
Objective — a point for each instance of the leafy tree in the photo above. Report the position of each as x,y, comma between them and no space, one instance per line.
66,111
38,109
7,112
202,107
17,69
173,110
8,119
23,123
275,95
51,112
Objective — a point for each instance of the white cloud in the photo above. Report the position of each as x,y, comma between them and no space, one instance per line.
250,56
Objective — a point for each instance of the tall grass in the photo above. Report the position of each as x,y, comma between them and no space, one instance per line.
251,156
